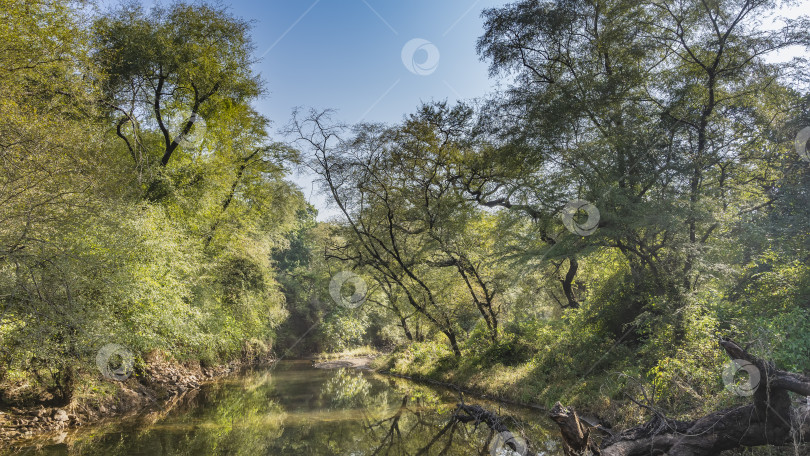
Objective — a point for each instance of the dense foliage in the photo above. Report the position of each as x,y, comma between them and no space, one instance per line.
142,197
591,231
585,235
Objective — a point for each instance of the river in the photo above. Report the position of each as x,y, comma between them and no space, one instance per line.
293,408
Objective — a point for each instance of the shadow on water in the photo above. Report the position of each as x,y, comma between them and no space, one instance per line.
296,409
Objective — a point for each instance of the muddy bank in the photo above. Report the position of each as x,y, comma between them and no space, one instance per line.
161,384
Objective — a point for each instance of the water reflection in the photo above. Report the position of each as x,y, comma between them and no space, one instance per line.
295,409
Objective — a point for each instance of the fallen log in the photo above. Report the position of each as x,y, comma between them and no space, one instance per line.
477,414
770,420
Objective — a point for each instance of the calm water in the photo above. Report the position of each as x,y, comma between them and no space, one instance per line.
295,409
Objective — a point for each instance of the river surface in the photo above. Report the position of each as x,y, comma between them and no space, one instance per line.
293,408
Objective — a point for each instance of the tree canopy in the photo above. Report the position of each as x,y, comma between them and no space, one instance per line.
637,190
133,214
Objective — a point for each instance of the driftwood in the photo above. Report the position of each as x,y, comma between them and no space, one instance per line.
770,420
477,414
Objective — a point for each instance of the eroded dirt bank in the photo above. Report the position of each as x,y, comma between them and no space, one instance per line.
161,384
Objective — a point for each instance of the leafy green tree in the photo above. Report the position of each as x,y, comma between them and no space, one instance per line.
49,182
166,68
407,225
659,113
173,256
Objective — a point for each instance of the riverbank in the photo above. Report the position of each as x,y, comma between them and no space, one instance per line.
522,383
381,363
161,383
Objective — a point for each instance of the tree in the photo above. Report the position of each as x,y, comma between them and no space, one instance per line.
406,222
658,113
87,257
169,68
48,183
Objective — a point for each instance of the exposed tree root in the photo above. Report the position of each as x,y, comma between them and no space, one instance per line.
770,420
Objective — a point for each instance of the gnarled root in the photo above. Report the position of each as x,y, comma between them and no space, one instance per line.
770,420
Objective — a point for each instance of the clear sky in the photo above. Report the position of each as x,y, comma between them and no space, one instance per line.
347,54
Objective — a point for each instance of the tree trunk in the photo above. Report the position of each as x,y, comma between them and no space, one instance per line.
404,324
576,435
451,336
769,420
568,282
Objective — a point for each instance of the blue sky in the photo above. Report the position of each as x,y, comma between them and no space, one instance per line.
347,54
